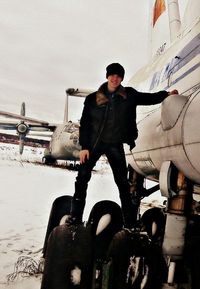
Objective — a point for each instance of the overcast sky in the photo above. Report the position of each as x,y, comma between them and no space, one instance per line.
50,45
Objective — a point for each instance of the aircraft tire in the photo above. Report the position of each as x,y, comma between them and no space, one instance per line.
105,220
133,262
60,207
69,258
71,166
154,216
77,167
48,161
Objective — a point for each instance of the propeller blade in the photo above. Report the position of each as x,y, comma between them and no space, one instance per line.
21,143
23,110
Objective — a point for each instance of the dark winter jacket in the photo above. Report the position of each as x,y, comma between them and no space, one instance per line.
96,111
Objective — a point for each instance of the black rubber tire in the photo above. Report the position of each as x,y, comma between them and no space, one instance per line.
60,207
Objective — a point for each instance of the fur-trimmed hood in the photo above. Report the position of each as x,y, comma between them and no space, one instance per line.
101,97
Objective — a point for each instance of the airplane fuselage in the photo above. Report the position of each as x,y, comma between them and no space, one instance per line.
170,131
64,143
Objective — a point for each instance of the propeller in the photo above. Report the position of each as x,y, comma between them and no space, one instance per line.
22,129
23,125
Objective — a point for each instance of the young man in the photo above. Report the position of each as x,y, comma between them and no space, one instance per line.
109,120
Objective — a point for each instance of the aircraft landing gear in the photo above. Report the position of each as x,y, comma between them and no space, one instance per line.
73,166
178,233
137,189
48,161
75,253
178,189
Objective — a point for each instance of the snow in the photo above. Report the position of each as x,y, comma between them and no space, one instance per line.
27,192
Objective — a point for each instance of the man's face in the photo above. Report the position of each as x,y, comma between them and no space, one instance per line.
114,81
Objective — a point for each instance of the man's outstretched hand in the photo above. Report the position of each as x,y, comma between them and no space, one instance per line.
174,91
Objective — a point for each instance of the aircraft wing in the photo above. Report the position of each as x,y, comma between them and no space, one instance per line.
78,92
30,125
21,117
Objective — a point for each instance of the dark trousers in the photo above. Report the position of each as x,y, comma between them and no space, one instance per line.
116,158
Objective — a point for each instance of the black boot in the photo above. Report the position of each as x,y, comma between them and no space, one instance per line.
76,213
130,212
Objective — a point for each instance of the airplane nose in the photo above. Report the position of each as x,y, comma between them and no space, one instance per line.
191,132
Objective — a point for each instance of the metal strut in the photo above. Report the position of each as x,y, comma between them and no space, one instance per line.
178,189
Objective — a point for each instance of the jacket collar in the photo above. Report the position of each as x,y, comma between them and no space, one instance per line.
101,97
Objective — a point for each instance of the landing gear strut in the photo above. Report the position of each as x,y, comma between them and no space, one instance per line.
178,189
137,189
180,238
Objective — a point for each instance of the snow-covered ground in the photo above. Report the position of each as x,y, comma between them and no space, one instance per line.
27,191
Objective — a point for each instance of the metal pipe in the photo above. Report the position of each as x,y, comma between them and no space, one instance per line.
174,19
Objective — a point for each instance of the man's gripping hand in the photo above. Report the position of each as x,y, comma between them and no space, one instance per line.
84,156
175,91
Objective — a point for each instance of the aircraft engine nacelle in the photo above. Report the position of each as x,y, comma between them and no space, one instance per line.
170,133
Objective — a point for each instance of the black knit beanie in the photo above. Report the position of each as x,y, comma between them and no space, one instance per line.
115,68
